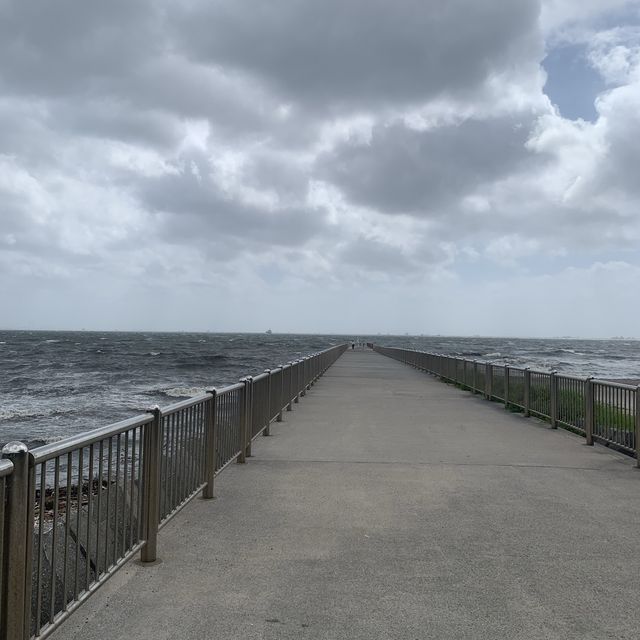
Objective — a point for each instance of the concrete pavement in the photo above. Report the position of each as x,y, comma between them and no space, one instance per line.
391,505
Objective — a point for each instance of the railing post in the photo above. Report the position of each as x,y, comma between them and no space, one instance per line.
488,381
249,415
588,410
527,392
637,425
302,380
506,387
267,428
244,419
281,396
16,579
475,376
210,446
151,485
290,386
553,399
296,398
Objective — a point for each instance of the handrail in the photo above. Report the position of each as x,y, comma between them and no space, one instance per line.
231,388
71,443
185,404
602,410
76,510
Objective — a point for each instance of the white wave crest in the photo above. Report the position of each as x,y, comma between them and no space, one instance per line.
9,414
184,392
13,413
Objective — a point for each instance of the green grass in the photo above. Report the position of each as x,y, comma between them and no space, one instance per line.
571,405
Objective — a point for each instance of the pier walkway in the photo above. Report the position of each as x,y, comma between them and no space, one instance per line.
391,505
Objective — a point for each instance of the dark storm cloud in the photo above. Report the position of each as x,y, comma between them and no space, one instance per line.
58,48
198,209
89,59
351,53
116,121
374,255
401,170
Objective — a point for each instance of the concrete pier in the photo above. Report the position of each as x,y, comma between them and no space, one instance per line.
391,505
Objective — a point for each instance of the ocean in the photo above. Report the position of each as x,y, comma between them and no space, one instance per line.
55,384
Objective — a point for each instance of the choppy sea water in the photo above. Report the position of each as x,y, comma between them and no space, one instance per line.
54,384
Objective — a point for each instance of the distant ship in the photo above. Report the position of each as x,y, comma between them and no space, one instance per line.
268,332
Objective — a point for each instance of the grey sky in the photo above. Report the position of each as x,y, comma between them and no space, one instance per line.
363,166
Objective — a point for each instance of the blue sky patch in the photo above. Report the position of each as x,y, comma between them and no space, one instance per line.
572,84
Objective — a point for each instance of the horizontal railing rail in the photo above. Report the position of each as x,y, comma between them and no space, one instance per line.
73,512
600,410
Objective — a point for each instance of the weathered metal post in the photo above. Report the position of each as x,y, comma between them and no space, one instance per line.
244,426
303,377
488,381
553,399
475,376
210,446
296,384
506,387
151,485
281,394
290,386
267,428
249,414
16,578
527,392
637,425
588,410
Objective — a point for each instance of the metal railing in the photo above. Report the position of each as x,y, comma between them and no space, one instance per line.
73,512
602,411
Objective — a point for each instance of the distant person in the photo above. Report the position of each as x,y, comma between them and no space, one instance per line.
353,345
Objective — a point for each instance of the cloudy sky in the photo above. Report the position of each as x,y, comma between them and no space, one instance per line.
421,166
